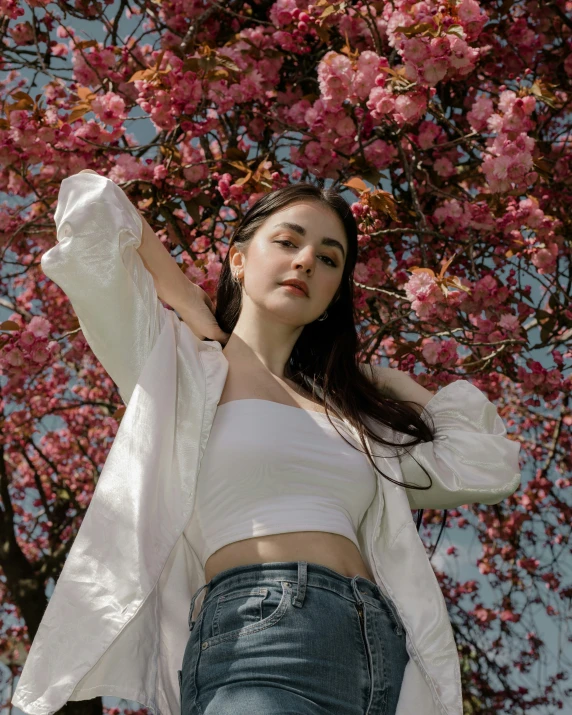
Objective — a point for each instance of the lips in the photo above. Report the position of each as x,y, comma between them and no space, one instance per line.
297,284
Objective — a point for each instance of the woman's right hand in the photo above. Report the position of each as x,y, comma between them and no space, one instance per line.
198,314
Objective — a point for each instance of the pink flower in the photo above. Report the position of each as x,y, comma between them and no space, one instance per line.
39,326
110,108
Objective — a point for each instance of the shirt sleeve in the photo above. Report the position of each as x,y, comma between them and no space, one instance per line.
96,263
471,459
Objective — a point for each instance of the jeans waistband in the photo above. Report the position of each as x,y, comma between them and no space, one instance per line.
300,574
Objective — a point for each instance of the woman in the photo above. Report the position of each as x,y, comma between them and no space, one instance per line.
228,480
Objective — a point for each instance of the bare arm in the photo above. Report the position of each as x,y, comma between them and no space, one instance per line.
171,284
189,300
398,384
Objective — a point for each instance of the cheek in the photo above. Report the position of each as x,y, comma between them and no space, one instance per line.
333,284
267,260
260,265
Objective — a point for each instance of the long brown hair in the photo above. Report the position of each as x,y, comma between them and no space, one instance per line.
326,356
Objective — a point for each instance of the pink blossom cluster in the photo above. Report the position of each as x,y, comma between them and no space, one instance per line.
508,163
24,351
29,347
539,380
426,297
22,33
11,9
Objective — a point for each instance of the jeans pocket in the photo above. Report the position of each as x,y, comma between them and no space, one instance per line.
243,611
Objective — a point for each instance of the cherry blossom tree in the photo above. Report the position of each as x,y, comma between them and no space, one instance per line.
447,125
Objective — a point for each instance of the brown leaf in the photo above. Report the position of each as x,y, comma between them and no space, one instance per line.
356,183
9,325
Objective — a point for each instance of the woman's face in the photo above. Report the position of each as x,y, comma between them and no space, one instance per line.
305,241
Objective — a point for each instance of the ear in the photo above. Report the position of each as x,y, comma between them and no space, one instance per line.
235,258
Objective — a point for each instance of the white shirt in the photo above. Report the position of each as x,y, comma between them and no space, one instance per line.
270,468
116,623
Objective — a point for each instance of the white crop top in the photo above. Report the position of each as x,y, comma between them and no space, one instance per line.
270,468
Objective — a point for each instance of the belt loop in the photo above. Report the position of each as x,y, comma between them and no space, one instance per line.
355,589
298,600
192,608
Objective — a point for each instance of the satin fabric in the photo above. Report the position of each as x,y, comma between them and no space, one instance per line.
116,623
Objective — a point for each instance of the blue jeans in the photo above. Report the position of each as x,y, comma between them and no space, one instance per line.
292,638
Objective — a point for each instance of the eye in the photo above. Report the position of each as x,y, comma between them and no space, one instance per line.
331,262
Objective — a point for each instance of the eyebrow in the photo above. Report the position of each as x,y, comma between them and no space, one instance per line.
302,231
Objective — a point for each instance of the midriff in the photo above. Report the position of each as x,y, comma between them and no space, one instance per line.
334,551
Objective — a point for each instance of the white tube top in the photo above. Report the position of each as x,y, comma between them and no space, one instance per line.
270,468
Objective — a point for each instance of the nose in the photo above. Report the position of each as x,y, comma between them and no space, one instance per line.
305,259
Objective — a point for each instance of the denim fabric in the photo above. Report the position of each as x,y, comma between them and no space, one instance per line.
287,638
